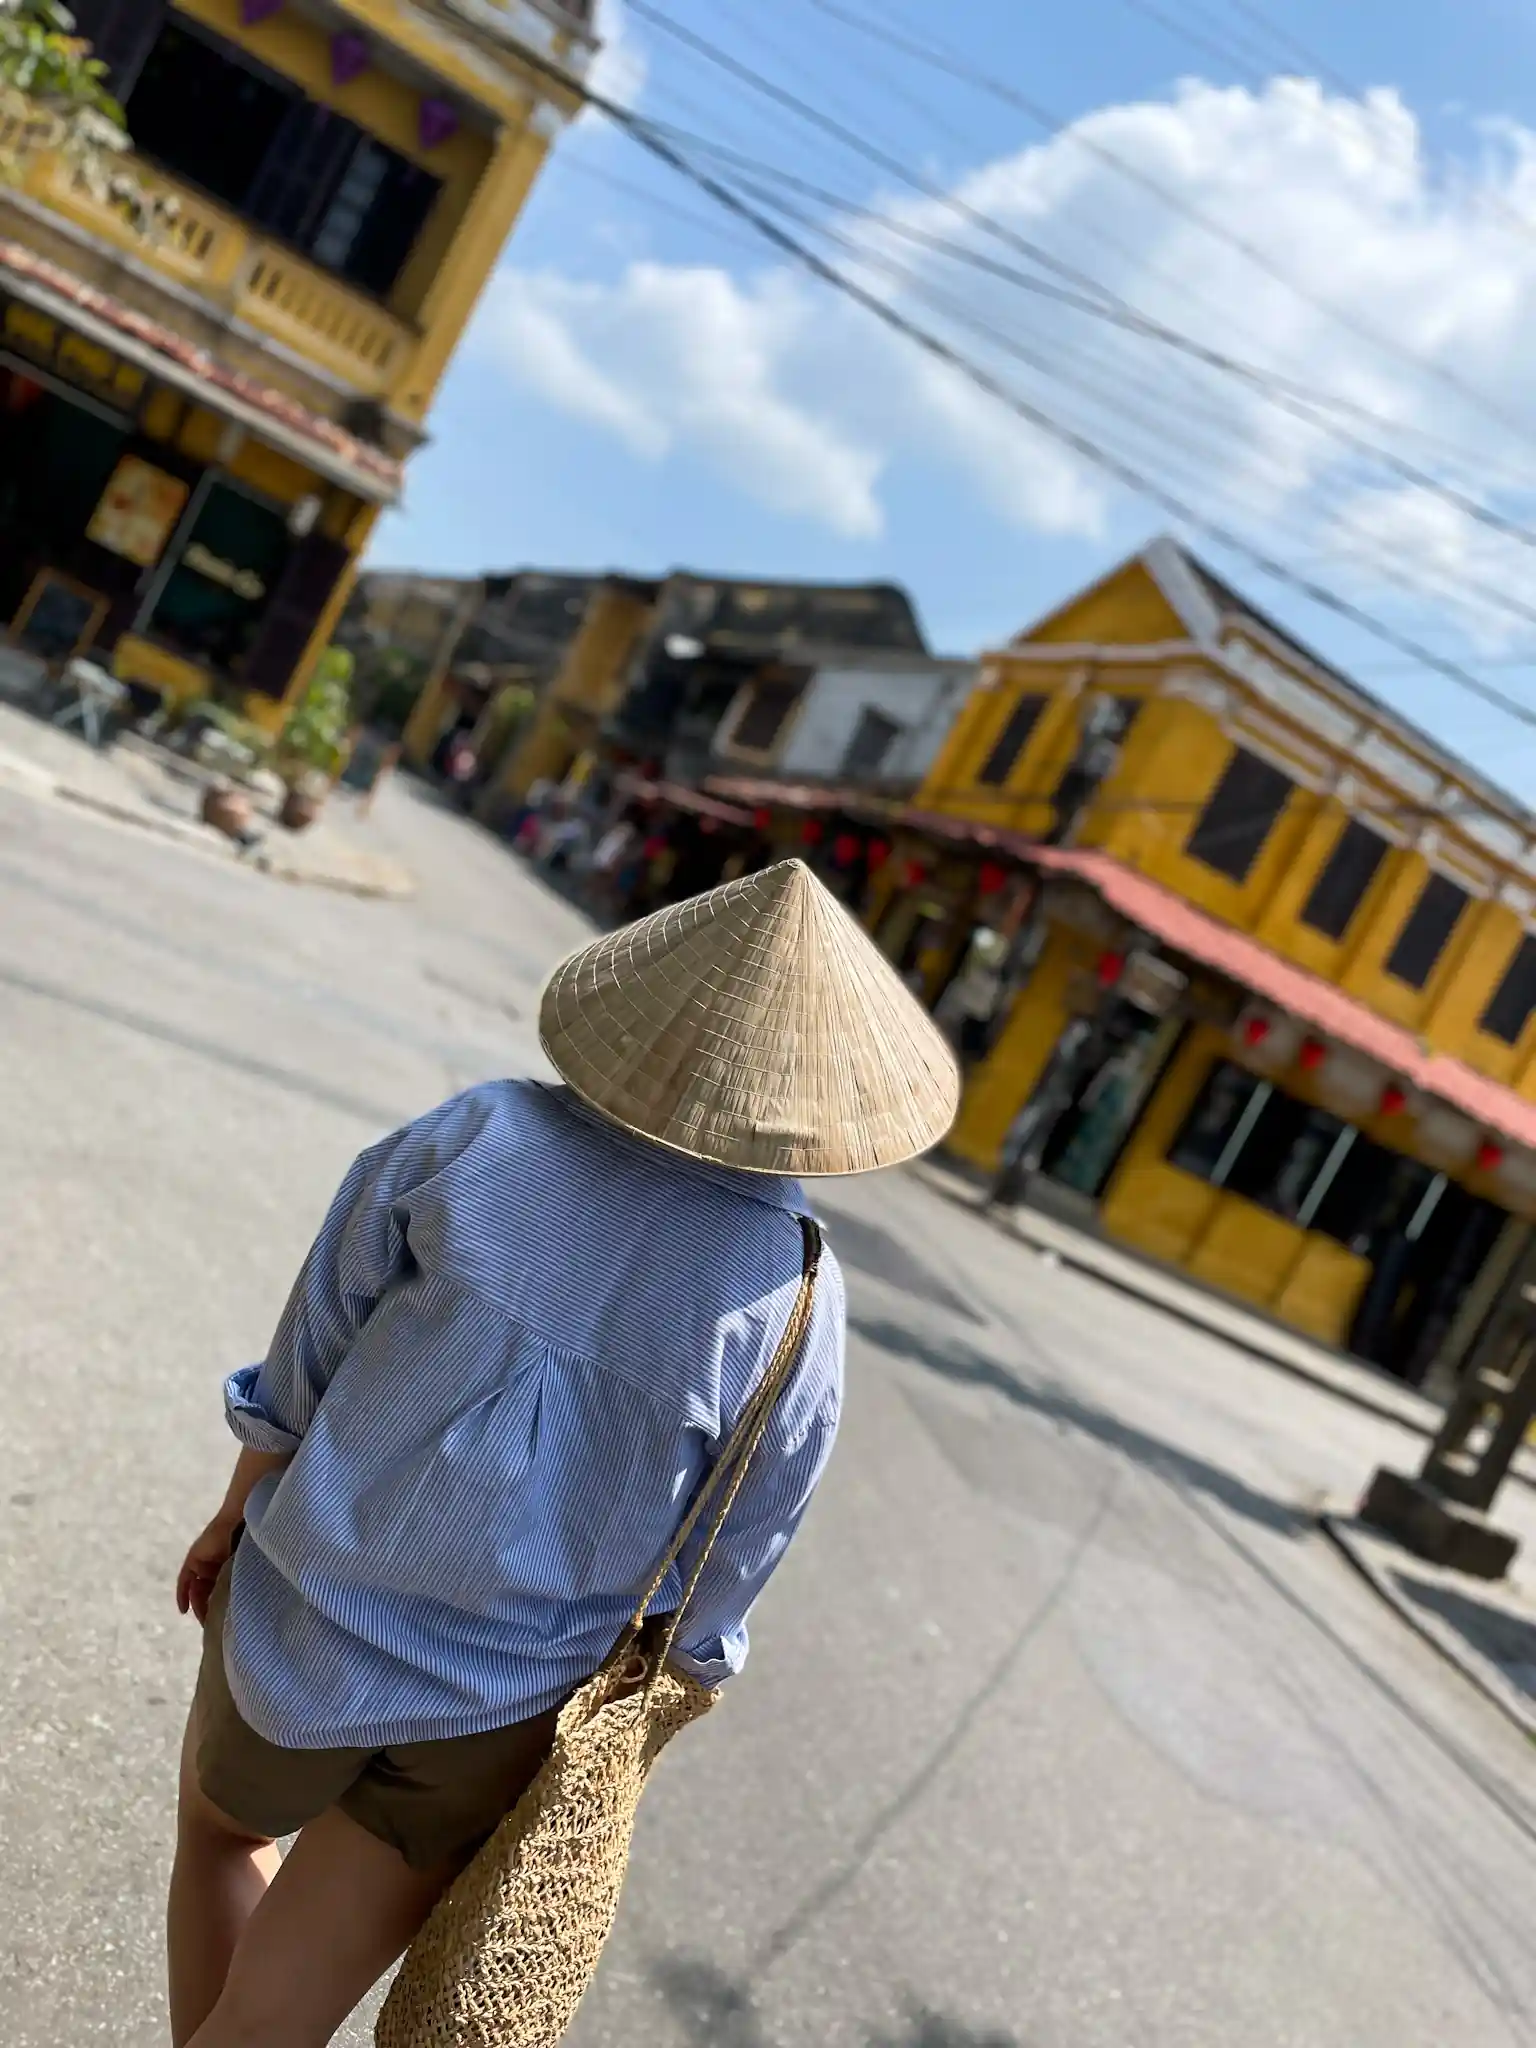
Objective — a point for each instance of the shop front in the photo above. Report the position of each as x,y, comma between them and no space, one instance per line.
1190,1094
148,525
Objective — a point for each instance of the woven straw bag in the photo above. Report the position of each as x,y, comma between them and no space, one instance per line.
504,1958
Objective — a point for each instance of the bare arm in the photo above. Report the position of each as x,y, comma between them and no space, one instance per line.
210,1552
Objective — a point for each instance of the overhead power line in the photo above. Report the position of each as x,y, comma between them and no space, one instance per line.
1055,124
1085,446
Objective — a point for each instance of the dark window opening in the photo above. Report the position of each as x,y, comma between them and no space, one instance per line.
252,140
1011,741
1230,832
1224,1112
1289,1148
1515,997
1424,937
873,738
764,716
1348,873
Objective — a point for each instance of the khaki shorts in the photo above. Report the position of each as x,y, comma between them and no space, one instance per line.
435,1802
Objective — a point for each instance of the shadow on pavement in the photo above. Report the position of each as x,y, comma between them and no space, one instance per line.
965,1366
718,2012
1490,1627
884,1256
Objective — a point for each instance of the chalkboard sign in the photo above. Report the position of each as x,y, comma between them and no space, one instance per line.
370,761
57,617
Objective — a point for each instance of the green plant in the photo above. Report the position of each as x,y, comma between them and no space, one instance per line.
313,741
53,96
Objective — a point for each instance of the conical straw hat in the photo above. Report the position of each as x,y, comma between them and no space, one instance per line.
757,1026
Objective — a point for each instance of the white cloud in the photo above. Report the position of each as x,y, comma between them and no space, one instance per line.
670,358
619,71
1400,285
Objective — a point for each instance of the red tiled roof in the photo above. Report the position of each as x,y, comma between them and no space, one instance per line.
1316,1003
285,411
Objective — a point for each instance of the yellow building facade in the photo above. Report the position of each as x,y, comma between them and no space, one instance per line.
1274,1020
201,420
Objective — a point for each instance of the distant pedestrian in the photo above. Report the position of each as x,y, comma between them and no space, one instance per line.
532,1323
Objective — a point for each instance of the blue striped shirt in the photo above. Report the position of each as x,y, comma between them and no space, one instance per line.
518,1341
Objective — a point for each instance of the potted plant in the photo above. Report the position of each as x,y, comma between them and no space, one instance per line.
309,751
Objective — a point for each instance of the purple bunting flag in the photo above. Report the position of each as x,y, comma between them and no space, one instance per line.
439,122
349,57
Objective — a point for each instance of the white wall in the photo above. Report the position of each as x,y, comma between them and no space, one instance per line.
922,699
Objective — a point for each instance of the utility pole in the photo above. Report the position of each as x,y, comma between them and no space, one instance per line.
1441,1513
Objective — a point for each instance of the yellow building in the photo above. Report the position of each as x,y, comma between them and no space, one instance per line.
199,425
1271,1014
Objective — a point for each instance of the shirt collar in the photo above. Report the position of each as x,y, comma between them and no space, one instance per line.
778,1191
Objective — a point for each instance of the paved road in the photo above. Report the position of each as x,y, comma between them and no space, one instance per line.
1062,1729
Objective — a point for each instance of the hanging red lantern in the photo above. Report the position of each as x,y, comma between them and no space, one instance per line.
913,874
762,818
1255,1031
1313,1053
1489,1156
812,832
991,877
1394,1100
877,853
845,849
1109,969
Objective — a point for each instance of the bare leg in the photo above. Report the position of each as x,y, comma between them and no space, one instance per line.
340,1911
218,1880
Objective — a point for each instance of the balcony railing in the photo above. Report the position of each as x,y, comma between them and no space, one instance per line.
239,271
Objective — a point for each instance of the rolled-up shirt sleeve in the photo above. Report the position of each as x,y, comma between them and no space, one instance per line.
360,1249
712,1639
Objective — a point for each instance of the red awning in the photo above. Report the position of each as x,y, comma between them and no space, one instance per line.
802,796
1317,1003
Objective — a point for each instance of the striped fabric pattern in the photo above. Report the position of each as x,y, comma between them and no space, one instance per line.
510,1355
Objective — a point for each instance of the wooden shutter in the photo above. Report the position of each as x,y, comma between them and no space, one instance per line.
303,591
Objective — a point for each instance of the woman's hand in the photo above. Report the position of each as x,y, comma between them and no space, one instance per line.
204,1561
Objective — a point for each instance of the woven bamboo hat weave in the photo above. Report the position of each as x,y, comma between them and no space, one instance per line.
756,1026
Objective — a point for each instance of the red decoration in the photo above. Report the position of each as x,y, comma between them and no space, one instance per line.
877,853
991,876
1313,1053
1255,1031
1394,1100
812,832
762,819
845,849
1109,969
913,874
1489,1155
654,847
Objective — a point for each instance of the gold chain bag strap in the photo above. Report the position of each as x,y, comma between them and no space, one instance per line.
504,1958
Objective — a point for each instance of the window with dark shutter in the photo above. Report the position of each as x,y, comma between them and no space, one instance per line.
304,589
1349,871
1515,997
1430,923
1012,741
1230,832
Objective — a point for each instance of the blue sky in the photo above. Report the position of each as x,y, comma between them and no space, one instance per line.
643,390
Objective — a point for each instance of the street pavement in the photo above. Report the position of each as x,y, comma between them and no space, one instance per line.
1062,1726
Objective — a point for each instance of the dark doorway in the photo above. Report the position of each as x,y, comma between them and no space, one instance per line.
1107,1093
1426,1240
